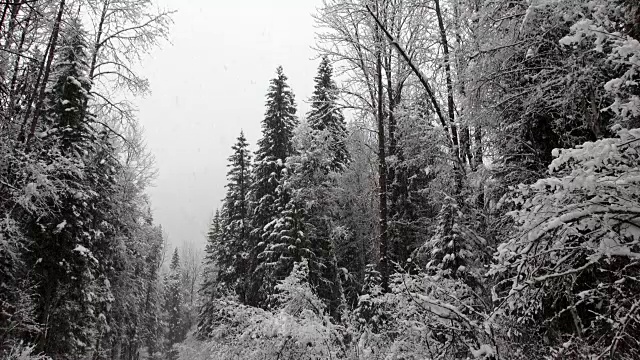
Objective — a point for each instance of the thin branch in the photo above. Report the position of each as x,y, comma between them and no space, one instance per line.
419,74
138,27
18,54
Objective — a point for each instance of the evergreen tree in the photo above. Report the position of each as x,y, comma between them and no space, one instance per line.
214,237
287,242
235,218
305,226
327,149
326,115
414,197
67,119
69,239
208,289
176,329
152,304
273,149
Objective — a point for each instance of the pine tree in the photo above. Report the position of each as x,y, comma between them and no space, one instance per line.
151,305
173,306
235,218
304,227
69,239
327,126
273,149
326,115
287,242
67,119
208,289
412,206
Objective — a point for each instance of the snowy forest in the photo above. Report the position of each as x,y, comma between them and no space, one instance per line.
464,185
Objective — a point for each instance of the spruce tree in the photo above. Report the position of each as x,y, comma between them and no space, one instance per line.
286,242
208,289
327,149
273,149
68,239
311,185
235,219
66,117
326,115
173,306
152,304
412,209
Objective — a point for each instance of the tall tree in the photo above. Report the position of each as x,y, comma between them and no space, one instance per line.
323,150
316,191
209,290
326,115
63,105
174,305
191,276
273,149
68,240
382,164
235,218
373,87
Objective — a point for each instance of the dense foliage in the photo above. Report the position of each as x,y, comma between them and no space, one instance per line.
80,256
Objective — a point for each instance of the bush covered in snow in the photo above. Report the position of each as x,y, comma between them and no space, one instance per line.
573,265
298,328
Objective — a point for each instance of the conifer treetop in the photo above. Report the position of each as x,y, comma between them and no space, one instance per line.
279,121
325,115
175,260
70,90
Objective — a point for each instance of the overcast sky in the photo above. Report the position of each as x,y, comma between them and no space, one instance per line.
208,85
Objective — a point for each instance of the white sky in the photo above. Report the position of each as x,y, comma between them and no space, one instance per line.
209,84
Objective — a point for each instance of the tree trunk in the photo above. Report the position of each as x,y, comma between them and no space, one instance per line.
421,77
458,162
477,159
465,134
478,145
392,175
96,46
465,147
4,14
16,69
397,185
382,168
15,9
